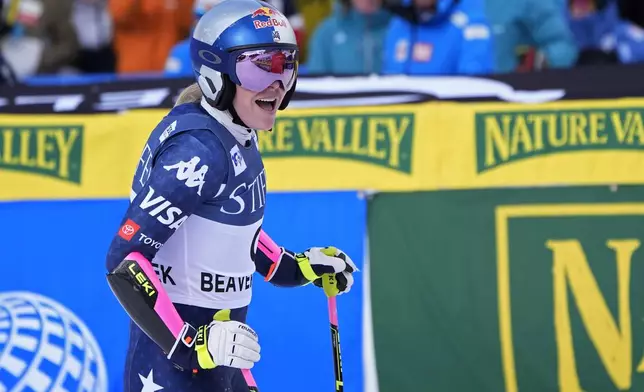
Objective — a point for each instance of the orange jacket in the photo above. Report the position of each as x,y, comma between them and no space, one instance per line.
146,30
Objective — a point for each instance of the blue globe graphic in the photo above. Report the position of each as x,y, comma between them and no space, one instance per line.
46,347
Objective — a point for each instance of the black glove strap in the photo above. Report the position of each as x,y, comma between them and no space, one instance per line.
182,352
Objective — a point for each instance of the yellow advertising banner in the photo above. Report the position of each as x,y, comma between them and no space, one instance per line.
436,145
71,156
369,148
487,145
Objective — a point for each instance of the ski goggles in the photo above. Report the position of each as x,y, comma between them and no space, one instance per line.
258,69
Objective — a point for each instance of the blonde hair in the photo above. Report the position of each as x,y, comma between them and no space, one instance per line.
190,94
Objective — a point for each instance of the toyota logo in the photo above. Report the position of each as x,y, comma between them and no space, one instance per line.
127,230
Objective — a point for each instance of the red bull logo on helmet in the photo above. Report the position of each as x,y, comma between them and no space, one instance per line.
271,22
263,11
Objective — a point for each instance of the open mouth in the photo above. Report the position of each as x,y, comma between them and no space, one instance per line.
267,104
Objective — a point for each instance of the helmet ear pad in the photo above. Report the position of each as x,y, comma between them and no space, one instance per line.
217,88
288,96
226,94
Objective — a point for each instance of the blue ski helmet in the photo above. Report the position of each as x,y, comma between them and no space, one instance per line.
246,43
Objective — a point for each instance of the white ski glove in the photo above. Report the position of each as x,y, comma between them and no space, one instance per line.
329,268
227,343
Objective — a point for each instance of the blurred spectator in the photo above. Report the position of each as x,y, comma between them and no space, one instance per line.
295,18
42,38
630,47
630,41
434,37
95,33
146,30
350,41
602,35
594,24
7,76
5,28
632,10
178,62
540,24
313,13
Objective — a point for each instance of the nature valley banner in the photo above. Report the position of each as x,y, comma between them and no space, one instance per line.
381,148
560,143
514,290
71,156
94,156
54,151
422,146
448,145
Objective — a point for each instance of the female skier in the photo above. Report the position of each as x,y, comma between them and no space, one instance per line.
183,260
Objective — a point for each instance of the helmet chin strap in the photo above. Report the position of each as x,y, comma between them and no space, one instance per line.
236,119
242,133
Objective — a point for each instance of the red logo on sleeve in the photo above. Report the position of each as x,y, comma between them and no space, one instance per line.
128,230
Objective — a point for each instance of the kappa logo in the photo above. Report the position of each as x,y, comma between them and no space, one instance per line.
187,171
238,160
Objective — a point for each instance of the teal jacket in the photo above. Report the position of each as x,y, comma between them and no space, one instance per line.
542,24
348,43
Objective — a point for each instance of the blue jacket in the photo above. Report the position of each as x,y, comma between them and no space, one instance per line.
538,23
630,43
605,30
348,43
179,63
597,30
455,40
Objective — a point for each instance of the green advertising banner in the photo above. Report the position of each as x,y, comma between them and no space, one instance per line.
529,290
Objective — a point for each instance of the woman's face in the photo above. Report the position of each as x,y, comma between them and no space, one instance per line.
258,110
366,6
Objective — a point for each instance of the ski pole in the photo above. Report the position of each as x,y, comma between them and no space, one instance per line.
335,341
